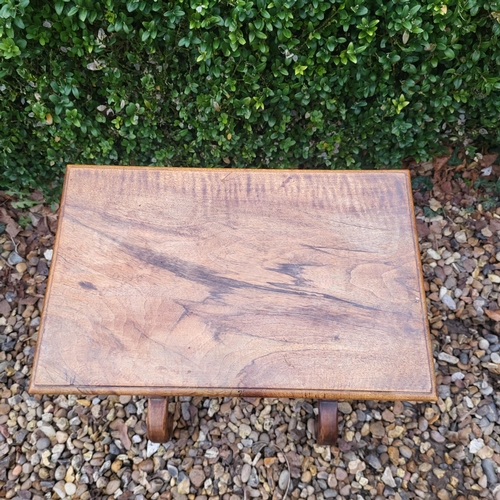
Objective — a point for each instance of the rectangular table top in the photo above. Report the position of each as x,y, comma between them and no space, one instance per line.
228,282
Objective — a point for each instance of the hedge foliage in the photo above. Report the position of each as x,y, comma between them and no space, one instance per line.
321,84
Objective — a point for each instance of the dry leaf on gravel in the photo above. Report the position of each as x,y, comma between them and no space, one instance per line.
488,160
11,226
122,429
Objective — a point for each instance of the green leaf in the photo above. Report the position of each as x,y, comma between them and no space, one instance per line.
59,5
132,5
72,11
131,109
449,53
331,44
6,11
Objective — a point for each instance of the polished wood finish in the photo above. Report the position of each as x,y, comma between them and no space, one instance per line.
220,282
159,421
327,429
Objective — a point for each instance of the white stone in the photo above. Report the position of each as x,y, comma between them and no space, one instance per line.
495,357
283,480
244,431
59,489
461,237
48,430
70,488
444,356
448,301
475,445
433,254
387,478
152,448
484,344
212,452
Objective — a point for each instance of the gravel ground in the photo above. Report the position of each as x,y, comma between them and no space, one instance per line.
229,448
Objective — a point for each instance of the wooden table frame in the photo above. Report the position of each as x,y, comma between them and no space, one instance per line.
228,282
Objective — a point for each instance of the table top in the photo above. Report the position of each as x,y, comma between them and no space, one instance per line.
229,282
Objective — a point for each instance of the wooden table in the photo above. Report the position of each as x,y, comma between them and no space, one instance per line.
221,282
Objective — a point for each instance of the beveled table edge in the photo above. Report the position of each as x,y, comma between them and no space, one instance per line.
233,392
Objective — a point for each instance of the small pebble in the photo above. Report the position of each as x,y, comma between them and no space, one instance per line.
112,486
449,302
245,472
283,480
14,259
475,445
444,356
70,489
489,467
197,477
184,486
43,443
484,344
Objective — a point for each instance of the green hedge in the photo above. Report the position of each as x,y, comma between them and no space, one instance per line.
320,84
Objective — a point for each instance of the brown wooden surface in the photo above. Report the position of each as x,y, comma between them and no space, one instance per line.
235,282
327,424
160,422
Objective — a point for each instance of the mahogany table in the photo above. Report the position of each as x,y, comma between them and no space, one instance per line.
221,282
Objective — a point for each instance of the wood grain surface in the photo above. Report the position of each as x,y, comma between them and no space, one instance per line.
172,281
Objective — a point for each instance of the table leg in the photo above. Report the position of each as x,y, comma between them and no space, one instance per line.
327,423
160,423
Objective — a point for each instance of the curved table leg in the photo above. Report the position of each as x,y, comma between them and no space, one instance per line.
160,423
327,423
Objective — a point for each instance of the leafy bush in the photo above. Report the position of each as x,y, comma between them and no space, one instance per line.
320,84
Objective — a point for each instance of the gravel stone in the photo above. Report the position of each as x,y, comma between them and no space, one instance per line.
436,436
112,486
14,259
449,302
245,472
387,478
43,443
484,344
283,480
444,356
344,407
475,445
70,489
489,467
374,461
183,486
